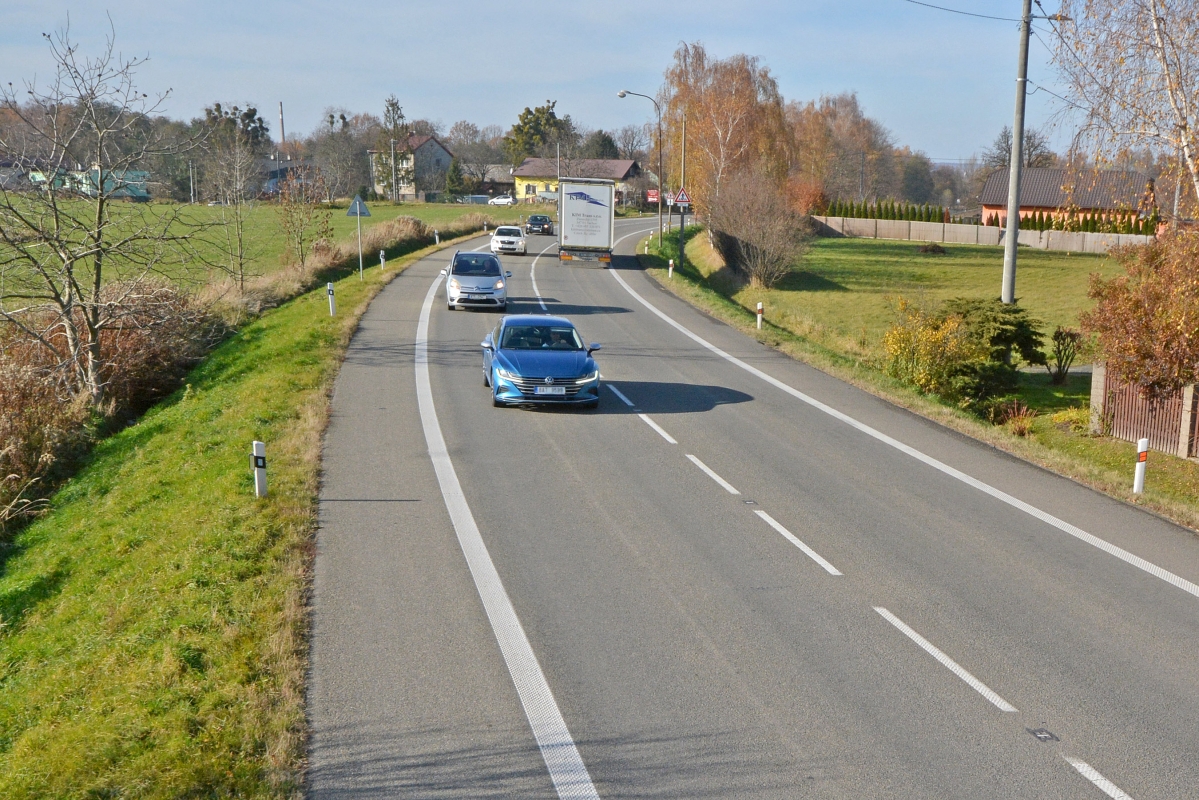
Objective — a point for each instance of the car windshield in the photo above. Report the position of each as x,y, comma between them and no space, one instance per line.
537,337
539,218
507,231
476,265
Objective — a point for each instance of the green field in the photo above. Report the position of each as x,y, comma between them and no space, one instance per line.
843,291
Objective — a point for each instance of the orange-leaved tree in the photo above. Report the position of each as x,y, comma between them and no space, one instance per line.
1147,320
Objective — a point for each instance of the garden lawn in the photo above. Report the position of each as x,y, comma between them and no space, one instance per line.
843,291
152,625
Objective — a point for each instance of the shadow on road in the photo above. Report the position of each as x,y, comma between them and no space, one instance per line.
651,397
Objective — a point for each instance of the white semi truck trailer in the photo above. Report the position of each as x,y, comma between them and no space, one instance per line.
586,219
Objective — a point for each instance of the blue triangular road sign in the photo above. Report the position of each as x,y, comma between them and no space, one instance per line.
358,208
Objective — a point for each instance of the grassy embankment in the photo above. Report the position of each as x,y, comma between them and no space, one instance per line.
152,626
834,307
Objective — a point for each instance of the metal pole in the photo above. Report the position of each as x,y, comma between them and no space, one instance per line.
1008,294
394,193
683,185
359,218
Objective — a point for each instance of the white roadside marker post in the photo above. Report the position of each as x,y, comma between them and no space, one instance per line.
258,463
759,316
436,237
332,302
484,226
1138,481
670,269
382,260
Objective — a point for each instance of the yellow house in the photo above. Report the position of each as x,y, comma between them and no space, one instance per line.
537,178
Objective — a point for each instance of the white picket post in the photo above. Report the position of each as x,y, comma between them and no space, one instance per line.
670,269
1138,480
258,463
759,316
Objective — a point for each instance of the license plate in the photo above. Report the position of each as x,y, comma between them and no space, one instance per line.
551,390
476,297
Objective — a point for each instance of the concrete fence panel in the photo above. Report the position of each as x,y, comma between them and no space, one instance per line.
1134,238
961,234
1099,242
1030,238
893,229
1070,241
829,226
988,235
928,231
862,228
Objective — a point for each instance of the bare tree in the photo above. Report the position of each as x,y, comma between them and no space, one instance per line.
757,232
75,256
303,220
632,141
235,143
1037,150
476,149
1132,72
338,146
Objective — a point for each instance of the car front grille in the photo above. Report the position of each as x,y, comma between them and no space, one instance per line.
528,387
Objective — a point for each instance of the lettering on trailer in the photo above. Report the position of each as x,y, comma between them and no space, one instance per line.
586,198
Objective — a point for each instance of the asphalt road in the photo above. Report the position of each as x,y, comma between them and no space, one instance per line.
749,580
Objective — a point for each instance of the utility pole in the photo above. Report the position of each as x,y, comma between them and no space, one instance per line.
1008,294
282,133
682,186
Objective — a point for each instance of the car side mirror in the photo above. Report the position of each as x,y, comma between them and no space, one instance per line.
591,348
485,344
508,274
445,271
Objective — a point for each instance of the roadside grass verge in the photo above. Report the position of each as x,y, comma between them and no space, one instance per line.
153,625
823,334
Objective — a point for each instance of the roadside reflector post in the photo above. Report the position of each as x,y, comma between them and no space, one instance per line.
332,301
382,260
484,226
258,464
759,316
1138,481
436,237
670,269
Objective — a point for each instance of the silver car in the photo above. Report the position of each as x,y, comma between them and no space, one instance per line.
475,279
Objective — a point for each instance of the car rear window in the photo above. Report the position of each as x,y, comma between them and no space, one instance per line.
471,264
507,231
538,337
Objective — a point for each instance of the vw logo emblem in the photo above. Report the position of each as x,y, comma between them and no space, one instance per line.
549,380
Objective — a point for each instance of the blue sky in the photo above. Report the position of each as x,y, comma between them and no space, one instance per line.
942,83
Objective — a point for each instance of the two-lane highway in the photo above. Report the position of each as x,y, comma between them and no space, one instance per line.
739,577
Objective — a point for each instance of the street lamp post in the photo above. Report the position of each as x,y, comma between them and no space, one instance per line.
623,93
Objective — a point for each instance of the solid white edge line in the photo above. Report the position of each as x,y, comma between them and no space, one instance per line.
1090,773
809,552
620,394
1031,510
728,487
953,666
562,758
658,428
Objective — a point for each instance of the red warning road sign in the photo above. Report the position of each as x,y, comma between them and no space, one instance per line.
682,198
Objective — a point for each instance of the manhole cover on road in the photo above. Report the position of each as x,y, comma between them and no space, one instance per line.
1043,735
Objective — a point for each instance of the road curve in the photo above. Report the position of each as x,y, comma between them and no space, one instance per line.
730,591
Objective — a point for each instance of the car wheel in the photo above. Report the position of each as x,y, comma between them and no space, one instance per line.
449,306
495,401
486,378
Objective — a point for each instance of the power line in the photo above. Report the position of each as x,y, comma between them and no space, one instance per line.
964,13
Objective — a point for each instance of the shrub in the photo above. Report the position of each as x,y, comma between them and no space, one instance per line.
932,248
1065,348
759,234
927,351
1074,419
1000,329
1018,417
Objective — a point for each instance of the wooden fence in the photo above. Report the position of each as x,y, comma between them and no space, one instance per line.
1118,409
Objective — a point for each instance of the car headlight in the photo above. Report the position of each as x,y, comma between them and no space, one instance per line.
588,378
505,374
454,284
498,285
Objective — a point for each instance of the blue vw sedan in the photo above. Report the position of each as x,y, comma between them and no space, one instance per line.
534,359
